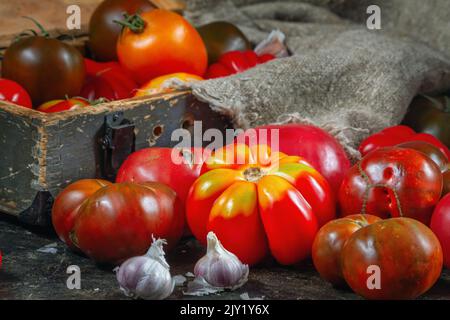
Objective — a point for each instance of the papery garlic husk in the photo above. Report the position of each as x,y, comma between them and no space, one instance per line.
219,267
148,276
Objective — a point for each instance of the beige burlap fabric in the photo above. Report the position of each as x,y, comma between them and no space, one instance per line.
342,76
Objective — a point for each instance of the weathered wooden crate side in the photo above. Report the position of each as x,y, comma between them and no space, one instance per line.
41,154
21,138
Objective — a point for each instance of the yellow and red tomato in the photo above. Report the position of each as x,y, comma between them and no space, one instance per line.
258,202
162,84
63,105
160,42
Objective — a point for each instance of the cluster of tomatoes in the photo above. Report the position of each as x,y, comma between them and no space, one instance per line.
136,50
280,203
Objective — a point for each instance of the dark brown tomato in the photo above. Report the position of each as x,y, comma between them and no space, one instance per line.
430,115
47,68
104,32
405,253
220,37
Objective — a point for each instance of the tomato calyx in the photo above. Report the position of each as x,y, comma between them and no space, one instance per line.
253,174
133,22
32,32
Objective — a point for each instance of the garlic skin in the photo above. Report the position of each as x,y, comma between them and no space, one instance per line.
147,277
221,268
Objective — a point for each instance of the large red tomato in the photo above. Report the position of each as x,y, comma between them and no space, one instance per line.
67,204
13,92
160,42
402,253
392,182
258,202
318,147
329,241
118,220
440,224
177,168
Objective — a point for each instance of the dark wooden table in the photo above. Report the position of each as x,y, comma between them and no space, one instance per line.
27,273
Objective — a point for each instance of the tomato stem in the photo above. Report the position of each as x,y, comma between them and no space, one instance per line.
44,32
134,22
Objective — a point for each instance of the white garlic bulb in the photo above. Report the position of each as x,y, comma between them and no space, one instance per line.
221,268
148,276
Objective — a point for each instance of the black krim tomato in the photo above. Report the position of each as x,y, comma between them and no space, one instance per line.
220,37
47,68
430,115
104,32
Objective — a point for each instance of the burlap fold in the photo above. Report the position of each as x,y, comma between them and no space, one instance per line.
343,77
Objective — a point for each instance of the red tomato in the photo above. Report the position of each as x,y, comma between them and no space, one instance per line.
107,80
63,105
118,220
12,92
318,147
446,176
257,202
235,62
398,134
440,224
177,168
329,241
161,42
67,204
392,182
407,253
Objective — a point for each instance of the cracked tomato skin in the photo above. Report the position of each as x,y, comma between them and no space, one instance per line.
67,204
329,241
392,182
406,251
258,202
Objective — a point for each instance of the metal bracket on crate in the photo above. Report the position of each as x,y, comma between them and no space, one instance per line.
117,143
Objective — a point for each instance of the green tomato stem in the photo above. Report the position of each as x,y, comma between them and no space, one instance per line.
135,23
44,32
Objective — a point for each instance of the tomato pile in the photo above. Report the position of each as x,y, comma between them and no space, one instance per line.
134,49
380,225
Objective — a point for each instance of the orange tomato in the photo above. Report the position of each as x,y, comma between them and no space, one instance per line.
160,42
162,85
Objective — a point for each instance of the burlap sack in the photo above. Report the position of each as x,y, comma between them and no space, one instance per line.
343,77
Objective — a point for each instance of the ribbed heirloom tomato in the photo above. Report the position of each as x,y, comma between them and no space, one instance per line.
160,42
113,222
258,202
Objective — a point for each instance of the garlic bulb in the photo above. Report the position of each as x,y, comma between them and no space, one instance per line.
148,276
221,268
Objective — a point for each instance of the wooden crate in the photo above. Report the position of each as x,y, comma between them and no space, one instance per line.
42,153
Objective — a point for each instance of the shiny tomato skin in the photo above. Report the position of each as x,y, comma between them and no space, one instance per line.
67,204
392,182
47,68
395,135
119,220
104,32
406,251
440,224
13,92
317,146
264,203
157,165
107,80
432,152
175,46
446,189
329,241
63,105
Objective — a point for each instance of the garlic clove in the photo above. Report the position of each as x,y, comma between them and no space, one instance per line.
221,268
148,276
